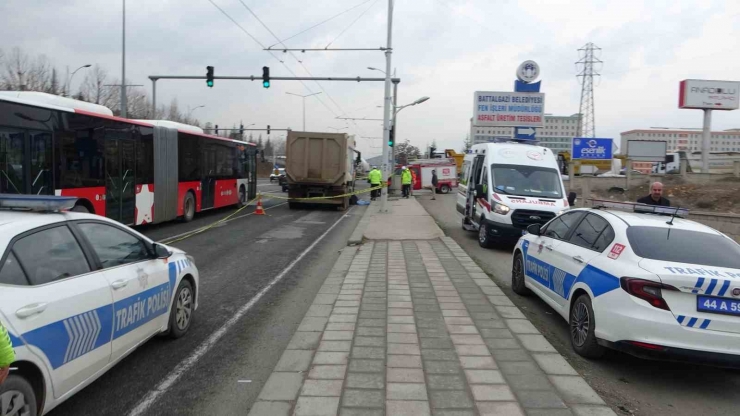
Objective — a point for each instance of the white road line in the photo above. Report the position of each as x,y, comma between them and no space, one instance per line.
206,345
229,220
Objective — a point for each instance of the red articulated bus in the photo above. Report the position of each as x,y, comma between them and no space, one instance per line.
133,171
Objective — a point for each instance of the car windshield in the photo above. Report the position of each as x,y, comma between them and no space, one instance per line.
526,181
684,246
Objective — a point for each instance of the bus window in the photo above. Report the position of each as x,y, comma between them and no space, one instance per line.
80,154
42,179
188,158
144,155
11,161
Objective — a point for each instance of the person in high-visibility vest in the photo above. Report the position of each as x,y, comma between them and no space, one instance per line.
7,355
374,177
406,181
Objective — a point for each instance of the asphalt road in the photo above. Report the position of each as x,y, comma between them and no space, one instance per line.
630,385
236,260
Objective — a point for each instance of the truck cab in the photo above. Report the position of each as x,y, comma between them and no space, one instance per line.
505,187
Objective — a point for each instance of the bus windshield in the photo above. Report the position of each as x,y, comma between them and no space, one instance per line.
526,181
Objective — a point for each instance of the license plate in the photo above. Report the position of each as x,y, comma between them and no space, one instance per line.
723,306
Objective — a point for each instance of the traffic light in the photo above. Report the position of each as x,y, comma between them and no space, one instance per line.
431,152
392,137
268,129
266,77
216,129
241,129
209,76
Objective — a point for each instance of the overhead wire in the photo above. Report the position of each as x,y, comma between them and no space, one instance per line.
351,24
321,23
271,53
300,62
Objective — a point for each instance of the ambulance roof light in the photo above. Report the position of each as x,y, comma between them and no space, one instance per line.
38,203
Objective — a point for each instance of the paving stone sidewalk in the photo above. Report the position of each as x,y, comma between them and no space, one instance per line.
417,328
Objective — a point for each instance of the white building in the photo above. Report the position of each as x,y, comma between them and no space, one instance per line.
684,139
557,133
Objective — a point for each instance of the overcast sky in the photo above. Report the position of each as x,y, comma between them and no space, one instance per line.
445,49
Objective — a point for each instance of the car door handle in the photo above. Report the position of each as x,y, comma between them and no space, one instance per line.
578,259
549,248
119,284
30,310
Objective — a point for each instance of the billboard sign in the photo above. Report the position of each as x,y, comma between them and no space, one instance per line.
646,150
712,95
508,109
587,148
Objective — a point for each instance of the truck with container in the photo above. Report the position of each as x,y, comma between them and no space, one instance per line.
320,168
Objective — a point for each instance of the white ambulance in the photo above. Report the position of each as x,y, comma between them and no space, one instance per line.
505,187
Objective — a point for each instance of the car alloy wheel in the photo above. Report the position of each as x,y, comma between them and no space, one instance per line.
184,308
14,403
580,324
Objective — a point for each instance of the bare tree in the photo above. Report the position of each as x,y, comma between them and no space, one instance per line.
94,88
20,72
54,87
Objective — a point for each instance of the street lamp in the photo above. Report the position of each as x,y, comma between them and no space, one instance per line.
304,105
69,81
396,110
190,110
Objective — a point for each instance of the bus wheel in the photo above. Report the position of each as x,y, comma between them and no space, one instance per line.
188,207
242,196
81,208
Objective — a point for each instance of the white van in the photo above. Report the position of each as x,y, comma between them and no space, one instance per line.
505,187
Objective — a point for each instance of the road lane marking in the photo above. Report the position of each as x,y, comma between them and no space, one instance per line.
206,345
205,226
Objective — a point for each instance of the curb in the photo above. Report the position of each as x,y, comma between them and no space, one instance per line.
357,235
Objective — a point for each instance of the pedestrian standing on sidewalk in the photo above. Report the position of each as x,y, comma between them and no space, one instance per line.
406,181
375,177
435,182
7,355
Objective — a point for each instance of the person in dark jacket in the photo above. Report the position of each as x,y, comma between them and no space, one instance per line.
435,182
655,197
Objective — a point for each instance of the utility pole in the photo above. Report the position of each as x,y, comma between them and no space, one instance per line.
387,111
587,108
395,182
124,103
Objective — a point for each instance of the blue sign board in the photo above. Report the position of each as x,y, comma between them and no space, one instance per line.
525,133
585,148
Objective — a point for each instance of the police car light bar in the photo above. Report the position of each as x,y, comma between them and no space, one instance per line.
640,208
38,203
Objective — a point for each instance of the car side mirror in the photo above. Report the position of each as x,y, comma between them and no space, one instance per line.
479,191
534,229
161,251
572,199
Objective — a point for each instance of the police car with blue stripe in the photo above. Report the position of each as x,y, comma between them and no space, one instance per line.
78,293
636,278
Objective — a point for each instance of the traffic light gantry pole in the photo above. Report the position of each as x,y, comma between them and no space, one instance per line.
156,78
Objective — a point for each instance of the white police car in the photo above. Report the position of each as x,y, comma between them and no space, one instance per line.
652,285
79,292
